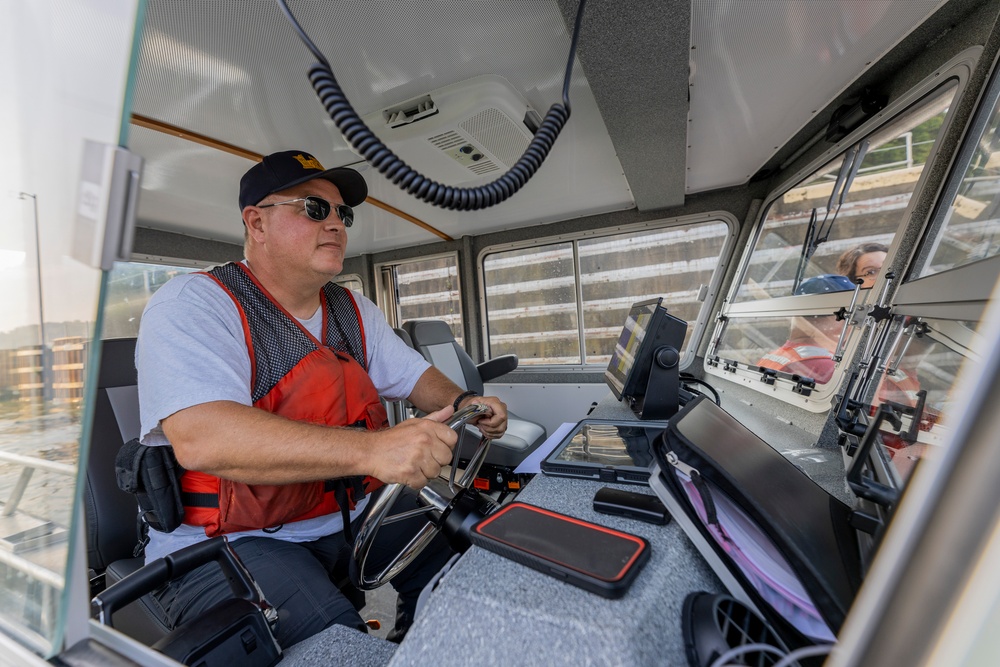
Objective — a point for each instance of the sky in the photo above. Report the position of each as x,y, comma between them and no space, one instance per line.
71,88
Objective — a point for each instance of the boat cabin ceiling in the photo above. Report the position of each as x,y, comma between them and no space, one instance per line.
668,99
711,147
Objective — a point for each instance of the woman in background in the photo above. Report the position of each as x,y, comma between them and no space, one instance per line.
863,261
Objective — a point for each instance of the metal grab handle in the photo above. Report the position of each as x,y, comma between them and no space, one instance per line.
467,414
163,570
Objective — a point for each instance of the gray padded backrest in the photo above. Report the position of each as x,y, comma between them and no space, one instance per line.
434,340
405,337
444,358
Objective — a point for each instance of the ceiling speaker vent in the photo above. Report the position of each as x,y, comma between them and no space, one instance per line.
498,134
464,152
458,133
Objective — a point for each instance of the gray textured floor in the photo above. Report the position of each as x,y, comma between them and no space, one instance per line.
381,606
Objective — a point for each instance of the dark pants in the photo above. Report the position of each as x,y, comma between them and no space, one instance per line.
299,579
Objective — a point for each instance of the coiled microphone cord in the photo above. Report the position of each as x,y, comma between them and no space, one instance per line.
392,167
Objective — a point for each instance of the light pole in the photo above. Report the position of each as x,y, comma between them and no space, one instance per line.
38,264
41,309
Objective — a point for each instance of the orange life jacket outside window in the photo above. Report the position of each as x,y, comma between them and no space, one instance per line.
807,360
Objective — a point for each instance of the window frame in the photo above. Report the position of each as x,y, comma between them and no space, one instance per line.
163,260
342,278
381,298
698,326
987,110
820,399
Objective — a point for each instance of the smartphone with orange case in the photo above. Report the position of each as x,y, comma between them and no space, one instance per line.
596,558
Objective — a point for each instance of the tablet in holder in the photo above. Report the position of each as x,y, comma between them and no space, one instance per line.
605,450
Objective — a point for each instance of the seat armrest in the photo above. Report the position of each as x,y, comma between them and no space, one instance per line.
497,366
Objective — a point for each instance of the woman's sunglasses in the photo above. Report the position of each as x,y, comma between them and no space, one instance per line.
318,209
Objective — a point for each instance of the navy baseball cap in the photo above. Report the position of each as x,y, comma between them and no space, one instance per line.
828,282
279,171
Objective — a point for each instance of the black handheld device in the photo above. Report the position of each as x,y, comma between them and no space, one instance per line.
644,367
629,504
596,558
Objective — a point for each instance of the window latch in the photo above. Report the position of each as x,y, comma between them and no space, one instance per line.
803,385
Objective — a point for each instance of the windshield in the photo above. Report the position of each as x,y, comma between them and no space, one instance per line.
971,231
843,217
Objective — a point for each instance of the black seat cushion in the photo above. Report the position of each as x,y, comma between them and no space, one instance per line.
137,620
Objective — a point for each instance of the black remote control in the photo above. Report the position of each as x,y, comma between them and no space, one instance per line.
641,506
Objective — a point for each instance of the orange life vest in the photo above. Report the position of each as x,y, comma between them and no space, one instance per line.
899,387
807,360
297,377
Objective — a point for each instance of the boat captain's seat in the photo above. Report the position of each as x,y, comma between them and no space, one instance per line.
435,341
112,529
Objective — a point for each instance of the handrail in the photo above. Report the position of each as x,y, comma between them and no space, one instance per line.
34,570
30,464
41,464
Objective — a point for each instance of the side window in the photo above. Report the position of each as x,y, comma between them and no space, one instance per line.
52,289
130,284
424,289
531,304
921,370
937,310
351,281
565,302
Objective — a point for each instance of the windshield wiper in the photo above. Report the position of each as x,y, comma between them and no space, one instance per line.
858,158
821,233
808,248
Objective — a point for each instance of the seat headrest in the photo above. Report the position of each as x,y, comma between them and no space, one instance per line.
405,337
117,363
429,332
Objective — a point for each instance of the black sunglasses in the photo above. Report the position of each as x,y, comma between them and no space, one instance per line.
318,209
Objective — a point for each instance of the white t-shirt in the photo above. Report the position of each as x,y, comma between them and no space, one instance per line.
192,349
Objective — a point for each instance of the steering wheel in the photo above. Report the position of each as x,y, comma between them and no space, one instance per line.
452,507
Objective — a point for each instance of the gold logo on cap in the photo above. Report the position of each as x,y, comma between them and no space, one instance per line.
309,162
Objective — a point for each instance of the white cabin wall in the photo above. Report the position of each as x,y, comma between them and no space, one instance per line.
549,404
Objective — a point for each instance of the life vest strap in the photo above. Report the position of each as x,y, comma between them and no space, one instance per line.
336,486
